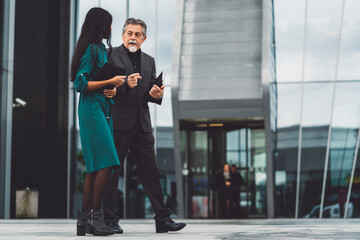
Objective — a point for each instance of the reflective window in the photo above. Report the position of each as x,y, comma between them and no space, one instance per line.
321,52
354,201
289,35
286,148
2,101
249,157
257,172
1,64
316,120
324,17
164,115
342,146
198,156
350,48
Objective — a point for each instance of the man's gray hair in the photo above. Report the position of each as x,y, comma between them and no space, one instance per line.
134,21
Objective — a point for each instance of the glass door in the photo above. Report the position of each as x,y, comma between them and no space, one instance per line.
198,178
245,150
207,150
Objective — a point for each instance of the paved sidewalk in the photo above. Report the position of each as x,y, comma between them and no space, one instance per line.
195,230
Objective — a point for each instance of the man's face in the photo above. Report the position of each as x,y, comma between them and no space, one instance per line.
233,169
226,168
133,37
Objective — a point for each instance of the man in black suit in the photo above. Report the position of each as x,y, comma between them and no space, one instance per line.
132,125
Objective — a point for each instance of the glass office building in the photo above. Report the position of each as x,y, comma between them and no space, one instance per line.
223,64
270,86
316,163
298,154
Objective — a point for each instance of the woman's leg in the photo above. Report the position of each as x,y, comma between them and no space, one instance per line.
95,221
88,191
86,204
99,187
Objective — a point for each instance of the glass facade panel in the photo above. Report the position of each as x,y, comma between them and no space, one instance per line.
286,148
198,156
322,31
2,102
2,22
289,34
250,158
232,138
145,10
324,17
350,47
354,202
164,115
342,147
232,157
257,172
316,120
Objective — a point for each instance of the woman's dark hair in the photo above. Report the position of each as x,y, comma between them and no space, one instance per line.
96,27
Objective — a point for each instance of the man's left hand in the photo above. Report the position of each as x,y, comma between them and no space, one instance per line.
156,92
110,93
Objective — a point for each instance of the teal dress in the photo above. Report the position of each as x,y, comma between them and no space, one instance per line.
95,121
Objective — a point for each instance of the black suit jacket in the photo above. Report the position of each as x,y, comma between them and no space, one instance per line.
131,102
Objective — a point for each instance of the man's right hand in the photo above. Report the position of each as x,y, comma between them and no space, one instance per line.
132,80
117,81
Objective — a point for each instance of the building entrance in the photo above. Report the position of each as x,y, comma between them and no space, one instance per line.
206,148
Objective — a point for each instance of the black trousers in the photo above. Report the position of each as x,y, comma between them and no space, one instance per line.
141,146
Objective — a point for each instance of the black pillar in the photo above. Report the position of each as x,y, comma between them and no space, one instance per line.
40,140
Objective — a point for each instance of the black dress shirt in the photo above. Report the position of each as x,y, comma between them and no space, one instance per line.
135,59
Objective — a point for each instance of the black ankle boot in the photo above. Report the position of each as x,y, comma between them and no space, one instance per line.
81,223
95,223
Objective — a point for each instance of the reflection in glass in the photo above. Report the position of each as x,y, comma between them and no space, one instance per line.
257,172
286,148
323,24
249,156
232,140
164,116
198,156
2,69
355,191
316,120
232,157
289,35
342,147
350,48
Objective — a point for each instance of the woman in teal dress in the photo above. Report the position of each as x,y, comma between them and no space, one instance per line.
95,121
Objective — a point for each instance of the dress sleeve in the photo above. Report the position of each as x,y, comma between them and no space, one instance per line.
83,74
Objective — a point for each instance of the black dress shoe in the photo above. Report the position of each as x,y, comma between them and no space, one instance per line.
116,228
169,225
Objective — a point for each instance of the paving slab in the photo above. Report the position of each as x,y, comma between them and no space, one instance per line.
41,229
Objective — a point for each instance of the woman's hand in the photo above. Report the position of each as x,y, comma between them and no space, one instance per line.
110,93
117,81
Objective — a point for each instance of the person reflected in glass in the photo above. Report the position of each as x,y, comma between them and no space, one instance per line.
95,120
224,191
236,182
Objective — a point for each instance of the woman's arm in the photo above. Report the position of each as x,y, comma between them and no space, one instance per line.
83,82
116,81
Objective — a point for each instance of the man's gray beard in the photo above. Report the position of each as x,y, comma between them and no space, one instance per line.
132,49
